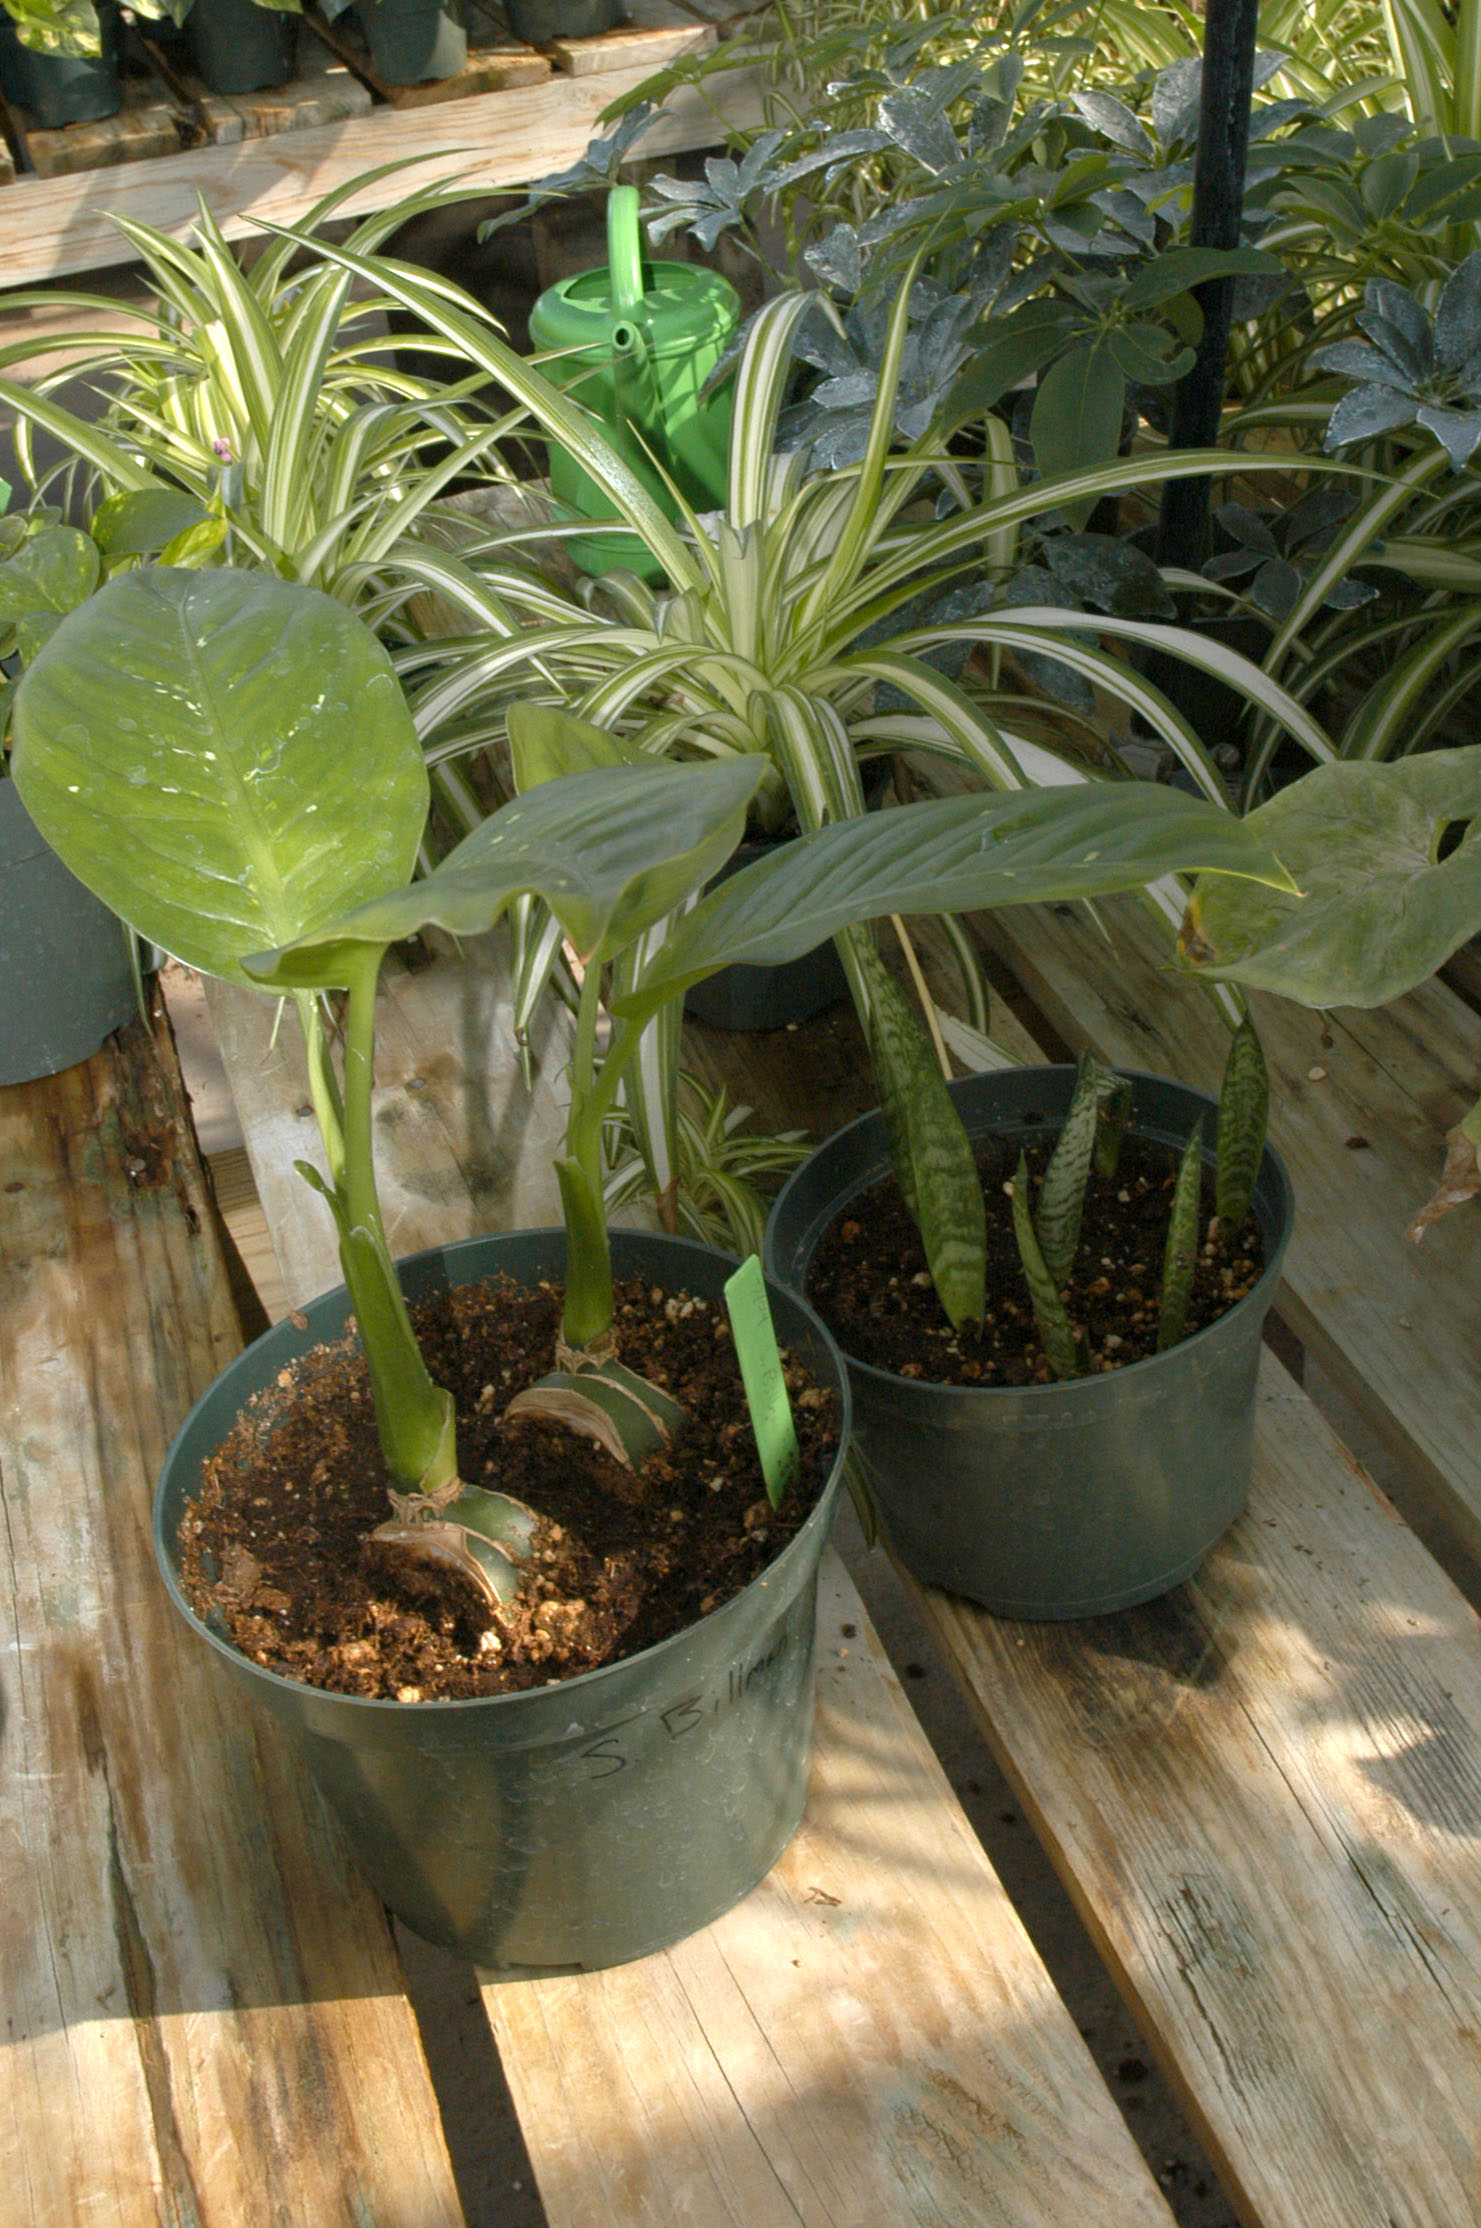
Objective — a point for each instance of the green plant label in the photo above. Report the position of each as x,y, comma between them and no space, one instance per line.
761,1373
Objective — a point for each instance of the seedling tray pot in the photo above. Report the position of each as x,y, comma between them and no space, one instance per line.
65,960
63,89
1062,1500
414,41
754,998
578,1825
237,46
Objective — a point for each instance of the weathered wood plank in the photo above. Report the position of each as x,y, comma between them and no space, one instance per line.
1264,1793
204,2016
60,225
1398,1326
868,2038
630,46
150,123
1265,1797
897,2056
324,91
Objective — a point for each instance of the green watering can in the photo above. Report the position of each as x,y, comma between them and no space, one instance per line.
637,343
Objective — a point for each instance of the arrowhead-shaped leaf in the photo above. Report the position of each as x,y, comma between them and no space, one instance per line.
1381,910
201,749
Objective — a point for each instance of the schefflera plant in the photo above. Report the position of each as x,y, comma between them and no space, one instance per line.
1047,1233
228,761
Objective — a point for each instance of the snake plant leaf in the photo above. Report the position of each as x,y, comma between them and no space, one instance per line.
1244,1104
951,855
1062,1188
1180,1257
631,1418
199,748
610,851
1110,1130
931,1154
1056,1332
1381,909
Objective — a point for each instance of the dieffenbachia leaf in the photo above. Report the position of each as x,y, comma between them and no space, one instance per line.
201,749
610,851
951,855
1385,898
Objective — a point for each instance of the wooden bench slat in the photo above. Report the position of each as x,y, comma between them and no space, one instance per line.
491,140
872,2019
204,2015
1265,1796
914,2065
1397,1325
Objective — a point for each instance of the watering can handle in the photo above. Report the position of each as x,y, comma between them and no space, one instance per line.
624,251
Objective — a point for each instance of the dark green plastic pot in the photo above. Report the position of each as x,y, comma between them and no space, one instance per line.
413,41
583,1824
1064,1500
66,966
237,46
537,22
63,89
753,998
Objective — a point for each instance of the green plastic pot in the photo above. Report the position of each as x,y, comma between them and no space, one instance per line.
413,41
63,89
537,22
237,46
782,997
1063,1500
66,964
579,1825
637,343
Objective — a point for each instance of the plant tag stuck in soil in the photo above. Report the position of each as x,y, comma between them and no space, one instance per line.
761,1374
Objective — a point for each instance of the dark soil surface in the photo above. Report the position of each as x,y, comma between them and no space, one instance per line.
276,1552
870,1284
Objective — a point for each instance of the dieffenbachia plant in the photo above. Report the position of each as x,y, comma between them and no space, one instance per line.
1048,1233
228,761
1387,863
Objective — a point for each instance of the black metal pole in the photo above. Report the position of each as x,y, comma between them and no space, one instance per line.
1218,201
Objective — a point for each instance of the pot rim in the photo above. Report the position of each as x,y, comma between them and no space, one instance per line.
585,1682
1272,1173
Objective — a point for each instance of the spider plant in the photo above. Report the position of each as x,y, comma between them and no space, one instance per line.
793,625
265,393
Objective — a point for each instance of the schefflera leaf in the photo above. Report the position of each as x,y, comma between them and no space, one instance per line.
250,737
1387,859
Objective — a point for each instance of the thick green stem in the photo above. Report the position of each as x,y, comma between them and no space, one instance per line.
589,1301
414,1416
